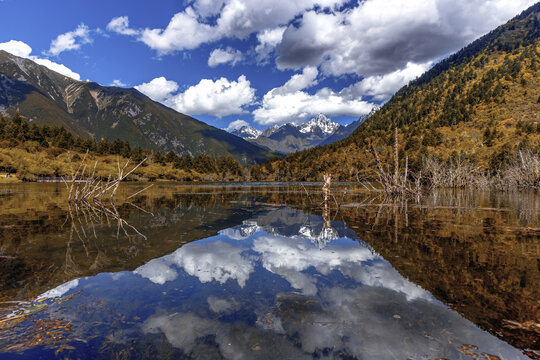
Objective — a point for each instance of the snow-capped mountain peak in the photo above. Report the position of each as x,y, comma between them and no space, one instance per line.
320,121
246,132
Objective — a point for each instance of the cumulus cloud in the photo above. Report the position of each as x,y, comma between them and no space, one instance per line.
289,257
235,125
219,305
159,89
380,36
267,42
385,43
158,271
219,97
235,19
224,56
371,37
72,40
207,8
120,25
184,32
19,48
289,103
382,87
306,79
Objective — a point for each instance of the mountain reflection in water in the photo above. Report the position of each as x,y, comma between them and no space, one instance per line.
282,285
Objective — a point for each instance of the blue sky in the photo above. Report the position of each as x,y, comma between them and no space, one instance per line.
263,62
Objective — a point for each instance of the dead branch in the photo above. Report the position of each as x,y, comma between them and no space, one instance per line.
83,187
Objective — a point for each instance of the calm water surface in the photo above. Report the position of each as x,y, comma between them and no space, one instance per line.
262,272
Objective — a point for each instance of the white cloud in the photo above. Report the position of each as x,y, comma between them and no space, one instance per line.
235,19
72,40
219,98
184,32
159,89
381,36
235,125
158,271
289,257
219,305
118,83
288,103
220,56
268,40
382,87
306,79
59,68
19,48
120,25
385,42
239,18
360,321
373,37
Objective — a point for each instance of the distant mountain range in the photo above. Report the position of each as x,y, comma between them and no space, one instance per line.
289,138
87,109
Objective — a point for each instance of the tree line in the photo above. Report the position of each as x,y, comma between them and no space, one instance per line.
16,131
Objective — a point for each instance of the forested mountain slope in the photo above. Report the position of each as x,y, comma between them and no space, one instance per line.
479,105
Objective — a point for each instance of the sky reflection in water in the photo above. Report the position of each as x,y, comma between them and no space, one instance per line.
281,285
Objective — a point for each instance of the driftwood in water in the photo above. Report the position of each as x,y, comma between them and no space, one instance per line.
326,187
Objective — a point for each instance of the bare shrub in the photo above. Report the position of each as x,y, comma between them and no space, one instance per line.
523,171
84,186
457,174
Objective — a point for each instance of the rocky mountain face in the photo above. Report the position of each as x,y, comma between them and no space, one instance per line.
289,138
344,131
320,124
90,110
246,132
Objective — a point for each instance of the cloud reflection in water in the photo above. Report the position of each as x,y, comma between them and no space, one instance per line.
263,290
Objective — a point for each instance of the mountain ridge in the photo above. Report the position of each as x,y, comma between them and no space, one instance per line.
480,105
290,137
90,110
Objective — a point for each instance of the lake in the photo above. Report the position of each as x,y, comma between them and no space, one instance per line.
263,271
